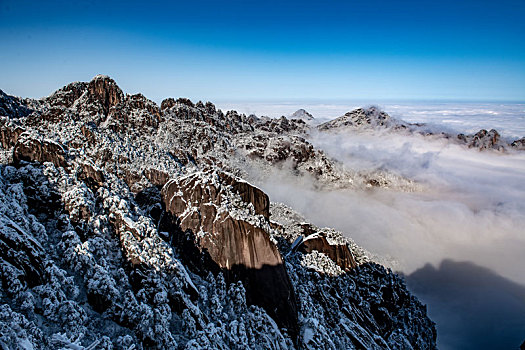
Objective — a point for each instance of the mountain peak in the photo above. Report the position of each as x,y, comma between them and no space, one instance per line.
360,118
105,90
302,114
102,76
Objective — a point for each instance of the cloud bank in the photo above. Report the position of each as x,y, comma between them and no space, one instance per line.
471,208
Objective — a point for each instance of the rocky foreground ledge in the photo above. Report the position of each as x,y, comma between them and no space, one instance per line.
125,225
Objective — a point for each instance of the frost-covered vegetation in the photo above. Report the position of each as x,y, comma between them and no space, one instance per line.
92,258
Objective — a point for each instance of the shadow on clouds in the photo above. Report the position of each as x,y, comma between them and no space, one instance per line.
474,307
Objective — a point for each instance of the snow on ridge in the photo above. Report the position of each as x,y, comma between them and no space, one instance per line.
112,271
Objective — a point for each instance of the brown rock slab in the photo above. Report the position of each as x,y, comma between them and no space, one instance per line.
33,150
106,91
339,253
156,177
241,248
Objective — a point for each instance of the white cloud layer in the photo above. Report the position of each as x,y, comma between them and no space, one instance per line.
472,208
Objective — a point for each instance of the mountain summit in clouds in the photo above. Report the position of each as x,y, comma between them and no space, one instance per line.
125,224
303,115
372,119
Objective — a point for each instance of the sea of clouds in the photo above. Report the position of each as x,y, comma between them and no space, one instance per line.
460,240
471,208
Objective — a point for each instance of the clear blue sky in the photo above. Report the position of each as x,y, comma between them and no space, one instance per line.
253,50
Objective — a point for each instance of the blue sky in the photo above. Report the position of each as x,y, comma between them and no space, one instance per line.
269,50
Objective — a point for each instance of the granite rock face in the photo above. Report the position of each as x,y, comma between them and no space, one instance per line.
228,219
339,253
9,133
32,149
104,92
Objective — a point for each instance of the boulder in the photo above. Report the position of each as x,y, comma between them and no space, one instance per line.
336,250
519,144
9,133
32,149
91,175
339,253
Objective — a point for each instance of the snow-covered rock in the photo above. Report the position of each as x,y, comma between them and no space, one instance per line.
361,118
227,220
483,139
303,115
128,226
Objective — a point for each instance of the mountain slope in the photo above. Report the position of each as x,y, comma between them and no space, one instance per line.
127,224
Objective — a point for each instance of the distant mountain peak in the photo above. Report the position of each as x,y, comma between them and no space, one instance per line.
360,118
302,114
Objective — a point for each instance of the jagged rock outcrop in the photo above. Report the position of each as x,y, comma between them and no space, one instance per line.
229,220
280,149
66,96
281,125
483,139
104,92
15,107
134,111
372,119
382,290
28,148
338,251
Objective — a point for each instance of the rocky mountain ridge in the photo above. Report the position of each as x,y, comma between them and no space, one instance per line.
126,225
373,119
